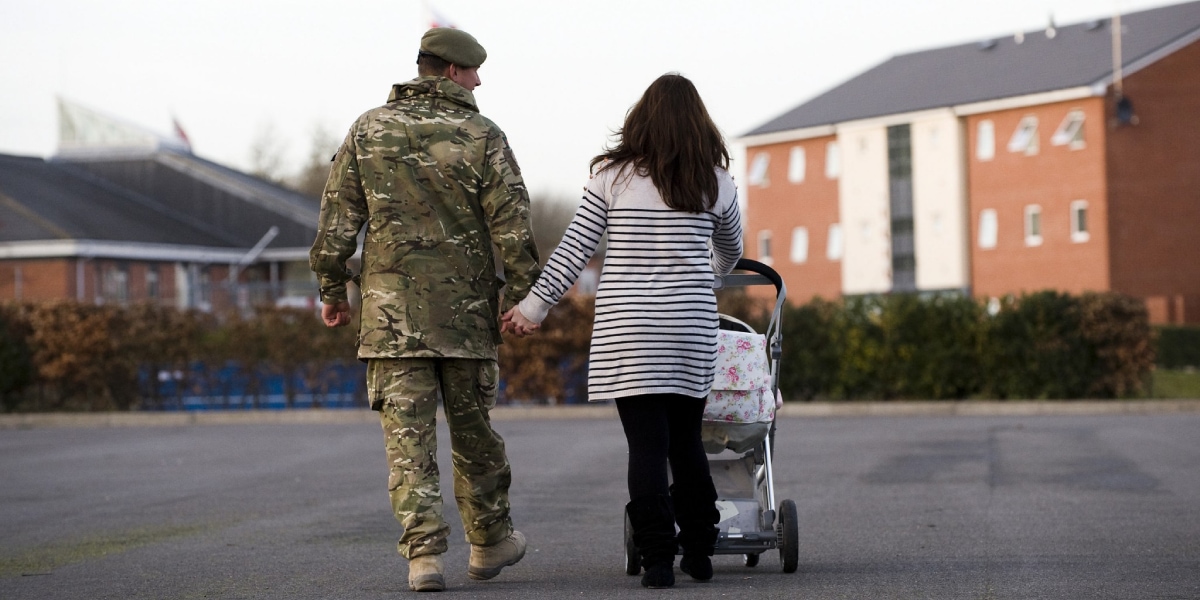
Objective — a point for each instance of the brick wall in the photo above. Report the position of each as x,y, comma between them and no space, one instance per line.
1052,178
1154,183
779,205
45,279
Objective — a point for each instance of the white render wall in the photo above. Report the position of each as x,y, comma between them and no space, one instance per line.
939,202
864,210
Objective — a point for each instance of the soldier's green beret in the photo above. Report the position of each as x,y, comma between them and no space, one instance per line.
453,45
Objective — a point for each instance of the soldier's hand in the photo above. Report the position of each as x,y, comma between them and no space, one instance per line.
335,315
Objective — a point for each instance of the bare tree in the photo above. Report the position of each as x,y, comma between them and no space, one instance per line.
268,154
551,216
310,181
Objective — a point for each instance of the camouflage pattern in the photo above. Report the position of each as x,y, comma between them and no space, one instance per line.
405,391
437,187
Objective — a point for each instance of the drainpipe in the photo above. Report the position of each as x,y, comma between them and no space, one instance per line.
81,278
254,252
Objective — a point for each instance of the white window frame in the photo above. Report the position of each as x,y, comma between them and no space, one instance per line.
114,284
1079,234
1033,225
797,164
833,160
153,285
799,250
758,169
1070,131
985,140
989,228
834,246
764,247
1025,138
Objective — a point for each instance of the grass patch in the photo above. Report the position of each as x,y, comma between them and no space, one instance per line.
1171,383
45,559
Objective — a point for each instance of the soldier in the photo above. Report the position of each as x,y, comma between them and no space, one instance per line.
438,189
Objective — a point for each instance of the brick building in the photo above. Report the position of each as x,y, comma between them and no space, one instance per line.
1066,158
122,215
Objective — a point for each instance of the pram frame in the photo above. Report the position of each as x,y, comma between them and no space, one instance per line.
774,530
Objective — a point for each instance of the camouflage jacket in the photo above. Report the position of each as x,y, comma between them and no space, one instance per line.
437,187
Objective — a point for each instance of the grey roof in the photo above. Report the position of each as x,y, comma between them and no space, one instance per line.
162,196
1077,55
43,201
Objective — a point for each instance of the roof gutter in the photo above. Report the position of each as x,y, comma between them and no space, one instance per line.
1064,95
960,110
137,251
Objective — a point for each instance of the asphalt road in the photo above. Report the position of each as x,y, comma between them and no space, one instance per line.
889,507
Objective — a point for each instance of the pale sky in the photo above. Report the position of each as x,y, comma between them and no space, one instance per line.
558,79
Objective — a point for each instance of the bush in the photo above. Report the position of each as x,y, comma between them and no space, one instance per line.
70,356
932,347
67,356
1120,343
1053,345
811,358
1035,349
16,365
1178,347
1042,345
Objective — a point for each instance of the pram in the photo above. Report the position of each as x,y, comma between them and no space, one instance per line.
739,435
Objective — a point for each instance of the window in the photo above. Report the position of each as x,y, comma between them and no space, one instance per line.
988,228
985,140
114,283
800,245
833,249
1033,225
764,246
205,285
796,165
1025,138
152,283
758,169
1070,132
833,160
1079,223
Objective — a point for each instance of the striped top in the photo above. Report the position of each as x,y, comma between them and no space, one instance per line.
656,315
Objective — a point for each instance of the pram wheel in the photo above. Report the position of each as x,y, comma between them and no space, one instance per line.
788,533
750,560
633,562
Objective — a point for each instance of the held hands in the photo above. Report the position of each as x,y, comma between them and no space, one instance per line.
335,315
516,322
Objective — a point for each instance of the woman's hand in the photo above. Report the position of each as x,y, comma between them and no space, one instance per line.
516,322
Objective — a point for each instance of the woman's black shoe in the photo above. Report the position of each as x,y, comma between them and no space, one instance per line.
661,575
699,567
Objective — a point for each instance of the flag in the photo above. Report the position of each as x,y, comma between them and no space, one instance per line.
181,134
436,19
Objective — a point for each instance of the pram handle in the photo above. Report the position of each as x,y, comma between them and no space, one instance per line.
746,264
763,274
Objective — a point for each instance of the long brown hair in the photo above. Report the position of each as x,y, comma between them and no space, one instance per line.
669,137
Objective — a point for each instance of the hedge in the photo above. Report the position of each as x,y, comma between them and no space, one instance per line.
81,357
1045,345
1179,347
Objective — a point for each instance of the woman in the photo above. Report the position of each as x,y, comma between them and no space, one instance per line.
670,208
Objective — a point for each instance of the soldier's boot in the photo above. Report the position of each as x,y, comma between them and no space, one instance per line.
653,526
425,573
486,561
697,515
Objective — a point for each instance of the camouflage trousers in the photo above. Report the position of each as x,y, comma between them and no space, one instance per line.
405,391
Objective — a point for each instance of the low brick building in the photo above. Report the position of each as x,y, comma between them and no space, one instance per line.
139,218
